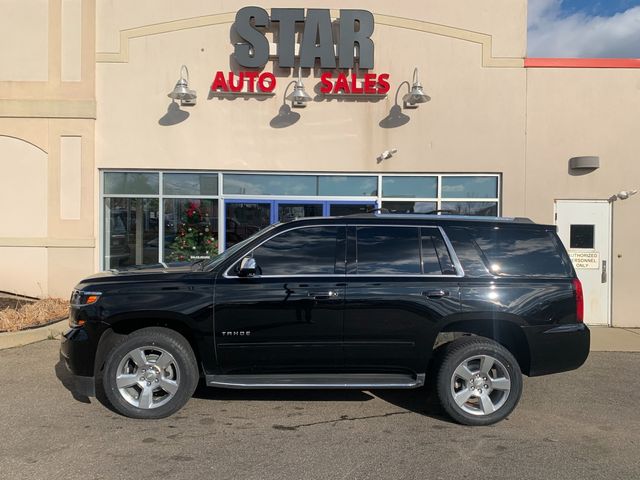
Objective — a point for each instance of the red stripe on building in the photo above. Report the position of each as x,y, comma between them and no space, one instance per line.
582,62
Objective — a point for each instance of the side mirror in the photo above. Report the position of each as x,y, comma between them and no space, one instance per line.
248,267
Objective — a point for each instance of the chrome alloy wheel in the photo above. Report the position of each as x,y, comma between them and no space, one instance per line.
480,385
148,377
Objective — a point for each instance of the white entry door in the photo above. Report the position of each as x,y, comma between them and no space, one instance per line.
585,229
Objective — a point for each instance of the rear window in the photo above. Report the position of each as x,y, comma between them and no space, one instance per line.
520,252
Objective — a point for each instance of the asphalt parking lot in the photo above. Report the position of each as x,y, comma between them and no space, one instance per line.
583,425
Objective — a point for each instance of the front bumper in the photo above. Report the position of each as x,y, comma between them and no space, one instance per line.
557,349
78,352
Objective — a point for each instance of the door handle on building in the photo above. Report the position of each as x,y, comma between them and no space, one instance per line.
603,278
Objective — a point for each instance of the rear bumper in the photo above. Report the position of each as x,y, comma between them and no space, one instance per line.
557,349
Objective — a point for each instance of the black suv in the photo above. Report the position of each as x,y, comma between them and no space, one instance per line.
364,302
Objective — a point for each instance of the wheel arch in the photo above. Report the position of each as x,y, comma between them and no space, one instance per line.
121,326
504,329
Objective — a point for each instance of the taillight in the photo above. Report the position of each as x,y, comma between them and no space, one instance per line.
577,291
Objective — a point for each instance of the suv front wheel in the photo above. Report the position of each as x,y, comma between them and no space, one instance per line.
479,381
152,373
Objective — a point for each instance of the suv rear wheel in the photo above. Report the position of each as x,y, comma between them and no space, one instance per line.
150,374
479,381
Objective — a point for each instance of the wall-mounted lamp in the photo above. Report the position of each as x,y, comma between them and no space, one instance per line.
416,95
299,97
181,91
623,195
387,154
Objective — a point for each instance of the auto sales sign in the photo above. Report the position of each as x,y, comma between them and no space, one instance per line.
347,47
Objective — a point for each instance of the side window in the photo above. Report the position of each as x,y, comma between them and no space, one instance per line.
520,251
302,251
436,259
467,252
387,250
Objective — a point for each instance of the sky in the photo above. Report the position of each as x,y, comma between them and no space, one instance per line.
584,28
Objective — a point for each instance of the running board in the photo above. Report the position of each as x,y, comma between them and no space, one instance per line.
318,381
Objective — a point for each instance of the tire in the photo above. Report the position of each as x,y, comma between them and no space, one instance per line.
151,374
479,381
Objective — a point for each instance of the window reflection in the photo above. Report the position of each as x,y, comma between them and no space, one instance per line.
388,250
303,251
520,252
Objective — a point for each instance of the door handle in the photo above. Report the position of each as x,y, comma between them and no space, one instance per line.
603,277
436,293
323,295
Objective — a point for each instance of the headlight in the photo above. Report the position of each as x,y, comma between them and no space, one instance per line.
80,298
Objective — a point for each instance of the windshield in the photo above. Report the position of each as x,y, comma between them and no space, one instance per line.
217,260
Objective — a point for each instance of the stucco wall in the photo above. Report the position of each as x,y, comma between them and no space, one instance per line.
574,112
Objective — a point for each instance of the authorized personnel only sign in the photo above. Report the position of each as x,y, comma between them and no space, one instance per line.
586,260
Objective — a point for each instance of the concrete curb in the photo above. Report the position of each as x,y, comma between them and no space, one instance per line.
25,337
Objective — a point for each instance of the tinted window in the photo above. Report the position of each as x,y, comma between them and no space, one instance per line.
527,252
303,251
467,252
388,250
435,256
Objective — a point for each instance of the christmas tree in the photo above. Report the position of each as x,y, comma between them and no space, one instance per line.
194,239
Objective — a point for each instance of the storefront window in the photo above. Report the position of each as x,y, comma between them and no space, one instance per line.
489,209
242,184
410,207
470,187
131,231
190,229
190,184
347,186
410,187
152,217
130,183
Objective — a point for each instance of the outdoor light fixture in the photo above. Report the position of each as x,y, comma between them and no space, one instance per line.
181,90
623,195
416,95
299,97
387,154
